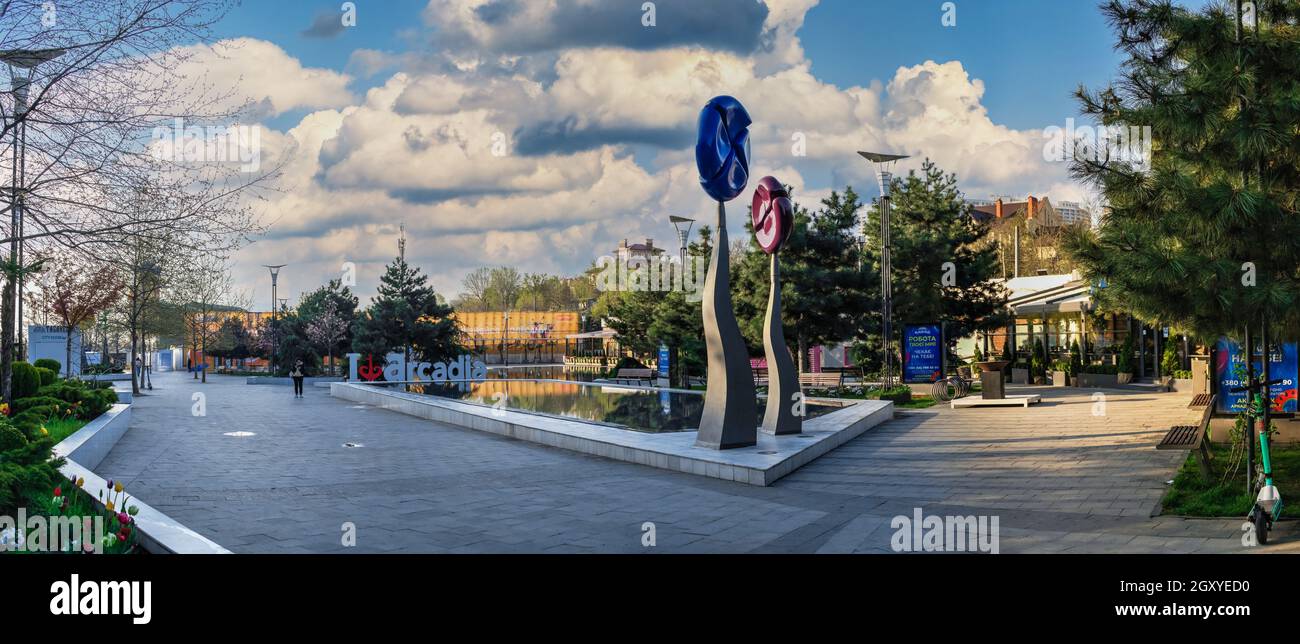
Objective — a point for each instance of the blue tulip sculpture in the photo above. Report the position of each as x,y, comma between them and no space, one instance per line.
722,149
730,416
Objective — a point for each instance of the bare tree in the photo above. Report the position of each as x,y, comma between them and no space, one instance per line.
88,175
206,291
79,293
328,329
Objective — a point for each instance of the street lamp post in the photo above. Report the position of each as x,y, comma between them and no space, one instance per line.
683,226
884,174
275,278
22,65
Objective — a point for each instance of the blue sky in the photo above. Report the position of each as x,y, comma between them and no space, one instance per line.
603,109
1031,54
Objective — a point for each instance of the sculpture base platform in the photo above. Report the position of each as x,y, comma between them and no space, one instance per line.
1024,400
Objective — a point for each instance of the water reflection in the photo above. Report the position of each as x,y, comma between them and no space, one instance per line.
647,410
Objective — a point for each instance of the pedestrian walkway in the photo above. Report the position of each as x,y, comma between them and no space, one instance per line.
259,471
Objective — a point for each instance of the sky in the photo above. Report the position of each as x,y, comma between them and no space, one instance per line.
539,133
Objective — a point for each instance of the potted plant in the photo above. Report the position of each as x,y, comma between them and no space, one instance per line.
1124,362
1013,362
1169,366
1020,374
1060,373
1076,359
1099,375
1182,381
1038,363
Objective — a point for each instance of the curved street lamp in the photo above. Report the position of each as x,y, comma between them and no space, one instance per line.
885,175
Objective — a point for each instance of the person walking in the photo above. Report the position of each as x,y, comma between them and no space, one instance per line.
297,376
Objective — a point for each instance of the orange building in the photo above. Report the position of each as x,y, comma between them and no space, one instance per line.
517,337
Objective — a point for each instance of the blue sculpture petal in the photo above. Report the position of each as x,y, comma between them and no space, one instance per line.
722,148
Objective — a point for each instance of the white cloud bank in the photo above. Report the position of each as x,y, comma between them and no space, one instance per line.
488,160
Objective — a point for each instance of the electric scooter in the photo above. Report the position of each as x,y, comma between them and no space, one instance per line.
1268,501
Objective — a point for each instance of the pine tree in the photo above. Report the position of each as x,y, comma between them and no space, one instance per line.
1207,234
941,266
825,292
407,317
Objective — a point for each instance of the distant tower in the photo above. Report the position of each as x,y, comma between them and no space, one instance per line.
401,241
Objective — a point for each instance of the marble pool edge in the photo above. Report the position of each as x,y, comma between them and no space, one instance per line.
763,464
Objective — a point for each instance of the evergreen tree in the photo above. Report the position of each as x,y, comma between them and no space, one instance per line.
825,292
407,317
941,266
1206,235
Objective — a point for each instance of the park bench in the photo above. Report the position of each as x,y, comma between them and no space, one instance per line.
1192,437
760,376
823,380
633,377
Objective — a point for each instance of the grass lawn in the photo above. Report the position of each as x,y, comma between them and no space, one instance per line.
917,403
1192,496
61,429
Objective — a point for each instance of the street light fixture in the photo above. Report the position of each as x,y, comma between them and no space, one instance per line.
885,175
683,226
275,278
22,64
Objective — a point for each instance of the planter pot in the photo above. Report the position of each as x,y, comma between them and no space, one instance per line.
1060,379
1200,375
1182,385
1020,376
1124,378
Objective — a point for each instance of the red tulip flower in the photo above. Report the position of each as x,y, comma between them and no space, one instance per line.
58,491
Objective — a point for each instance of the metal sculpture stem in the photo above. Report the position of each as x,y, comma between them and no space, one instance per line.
730,404
782,381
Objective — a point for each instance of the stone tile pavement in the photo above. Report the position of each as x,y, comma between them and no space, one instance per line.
1058,477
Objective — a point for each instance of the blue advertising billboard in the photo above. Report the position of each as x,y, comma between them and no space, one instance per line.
922,352
1230,370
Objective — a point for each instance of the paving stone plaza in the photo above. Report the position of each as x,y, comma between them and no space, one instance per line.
1061,476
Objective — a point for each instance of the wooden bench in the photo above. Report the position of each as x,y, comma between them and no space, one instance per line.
1192,437
823,380
760,376
633,376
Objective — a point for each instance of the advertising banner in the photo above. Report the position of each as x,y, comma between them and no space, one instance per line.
52,342
1230,373
922,352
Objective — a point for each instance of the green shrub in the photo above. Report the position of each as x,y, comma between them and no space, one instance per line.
46,377
1102,369
31,421
27,473
1038,361
1169,362
1076,358
49,363
95,398
1125,359
899,395
23,404
25,380
10,438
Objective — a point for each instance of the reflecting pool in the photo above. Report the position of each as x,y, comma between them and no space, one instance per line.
635,408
